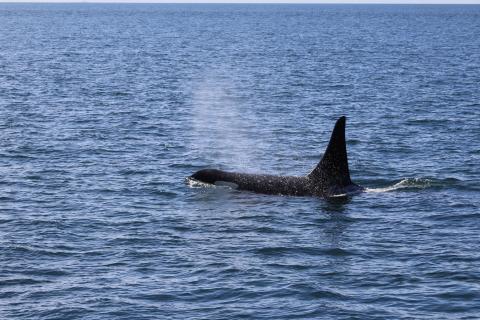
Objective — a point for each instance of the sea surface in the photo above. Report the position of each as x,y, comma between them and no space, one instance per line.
105,109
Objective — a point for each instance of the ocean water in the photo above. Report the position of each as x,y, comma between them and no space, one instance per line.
105,109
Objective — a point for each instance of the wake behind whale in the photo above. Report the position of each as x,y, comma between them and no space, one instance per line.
331,177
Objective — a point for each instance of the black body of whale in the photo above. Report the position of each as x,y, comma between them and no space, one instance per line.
330,177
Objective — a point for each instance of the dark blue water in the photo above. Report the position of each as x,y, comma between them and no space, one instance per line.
105,109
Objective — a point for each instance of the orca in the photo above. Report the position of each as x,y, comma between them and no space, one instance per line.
330,178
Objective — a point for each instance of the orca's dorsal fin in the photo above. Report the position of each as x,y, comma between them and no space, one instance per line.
332,171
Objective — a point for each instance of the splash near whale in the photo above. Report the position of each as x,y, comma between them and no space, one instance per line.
330,178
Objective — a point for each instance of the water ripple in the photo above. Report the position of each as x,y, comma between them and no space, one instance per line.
105,109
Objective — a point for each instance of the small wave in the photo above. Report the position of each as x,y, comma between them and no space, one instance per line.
421,121
314,251
165,193
418,183
21,282
198,184
157,297
327,294
414,183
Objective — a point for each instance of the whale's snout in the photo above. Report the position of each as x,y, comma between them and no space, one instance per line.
205,175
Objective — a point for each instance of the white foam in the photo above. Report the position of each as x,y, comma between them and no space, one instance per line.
193,183
416,183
